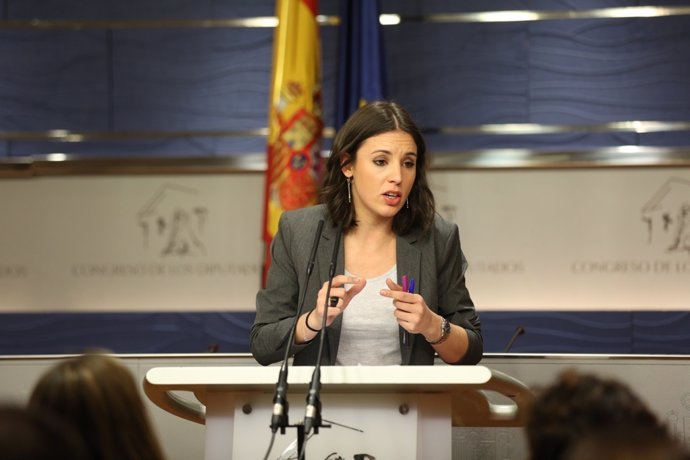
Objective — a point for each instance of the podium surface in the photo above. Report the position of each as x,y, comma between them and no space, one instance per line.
384,411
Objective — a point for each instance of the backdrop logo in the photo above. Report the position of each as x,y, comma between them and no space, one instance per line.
667,215
173,221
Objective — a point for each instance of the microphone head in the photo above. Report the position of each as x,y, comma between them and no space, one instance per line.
518,332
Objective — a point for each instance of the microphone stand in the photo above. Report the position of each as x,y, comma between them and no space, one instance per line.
312,416
279,419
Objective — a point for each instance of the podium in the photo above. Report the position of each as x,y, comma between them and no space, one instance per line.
396,412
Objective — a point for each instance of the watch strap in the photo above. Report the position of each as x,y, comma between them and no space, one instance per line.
445,332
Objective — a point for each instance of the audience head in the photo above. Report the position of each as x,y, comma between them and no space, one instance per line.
32,435
99,395
625,442
579,405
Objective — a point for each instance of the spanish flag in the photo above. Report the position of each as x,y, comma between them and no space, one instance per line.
295,120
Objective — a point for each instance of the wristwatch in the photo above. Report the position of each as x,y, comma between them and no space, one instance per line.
445,332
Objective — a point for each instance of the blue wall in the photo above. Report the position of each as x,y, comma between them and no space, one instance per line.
652,332
585,71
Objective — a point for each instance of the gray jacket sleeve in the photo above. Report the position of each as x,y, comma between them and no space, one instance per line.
276,305
454,301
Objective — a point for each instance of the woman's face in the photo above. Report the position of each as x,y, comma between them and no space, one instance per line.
382,175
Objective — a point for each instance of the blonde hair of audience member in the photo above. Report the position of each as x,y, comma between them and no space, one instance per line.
99,395
27,434
577,405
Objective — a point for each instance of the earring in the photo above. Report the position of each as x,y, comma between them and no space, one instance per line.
349,189
407,203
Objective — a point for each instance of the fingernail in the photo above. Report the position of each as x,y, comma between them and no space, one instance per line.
384,292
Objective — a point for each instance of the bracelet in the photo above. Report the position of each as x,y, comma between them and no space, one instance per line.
306,321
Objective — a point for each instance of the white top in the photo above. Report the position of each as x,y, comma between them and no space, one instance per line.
369,334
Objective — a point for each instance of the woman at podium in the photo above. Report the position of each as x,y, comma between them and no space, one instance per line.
384,274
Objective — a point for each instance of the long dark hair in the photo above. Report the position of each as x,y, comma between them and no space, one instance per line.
100,396
368,121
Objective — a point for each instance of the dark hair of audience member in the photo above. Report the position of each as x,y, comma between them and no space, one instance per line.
99,395
623,442
27,434
577,405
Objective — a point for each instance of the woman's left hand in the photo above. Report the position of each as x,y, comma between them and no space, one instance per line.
411,310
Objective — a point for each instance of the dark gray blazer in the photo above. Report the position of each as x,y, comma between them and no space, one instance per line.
434,260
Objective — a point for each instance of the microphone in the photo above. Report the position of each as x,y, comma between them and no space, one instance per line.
518,332
312,414
279,419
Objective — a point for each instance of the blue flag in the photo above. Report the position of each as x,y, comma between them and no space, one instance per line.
361,71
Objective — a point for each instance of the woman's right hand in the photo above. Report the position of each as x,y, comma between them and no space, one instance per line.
340,297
